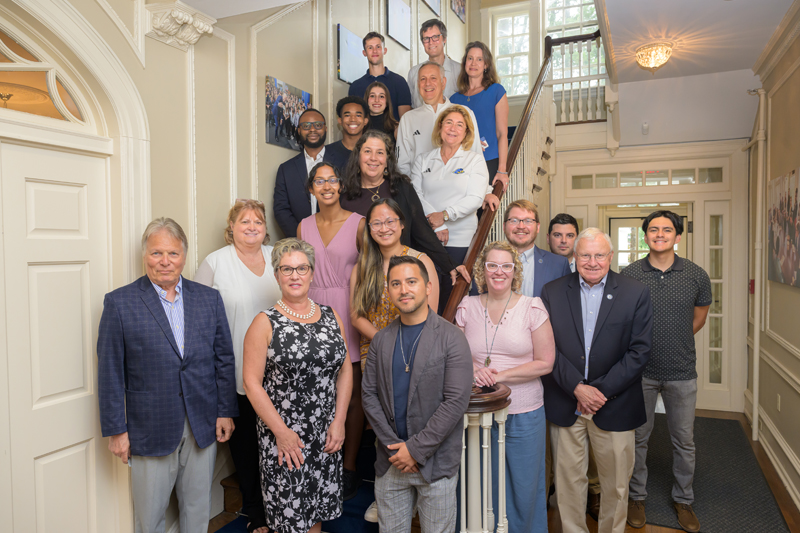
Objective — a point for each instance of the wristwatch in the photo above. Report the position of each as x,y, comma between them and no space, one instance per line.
445,216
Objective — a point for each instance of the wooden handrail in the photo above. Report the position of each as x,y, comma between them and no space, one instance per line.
487,219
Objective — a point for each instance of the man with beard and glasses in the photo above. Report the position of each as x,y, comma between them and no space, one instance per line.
415,391
291,200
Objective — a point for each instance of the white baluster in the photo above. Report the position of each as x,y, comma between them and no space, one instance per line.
589,99
563,86
463,475
502,518
580,73
599,103
474,475
488,517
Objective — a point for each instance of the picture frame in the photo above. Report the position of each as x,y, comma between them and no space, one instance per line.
351,62
435,5
284,104
459,7
398,22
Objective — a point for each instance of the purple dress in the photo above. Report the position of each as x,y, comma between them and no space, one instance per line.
334,263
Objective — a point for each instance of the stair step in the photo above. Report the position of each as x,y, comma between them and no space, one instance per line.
232,496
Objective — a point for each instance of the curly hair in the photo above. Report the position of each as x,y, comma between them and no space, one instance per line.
240,206
352,173
479,272
436,136
289,245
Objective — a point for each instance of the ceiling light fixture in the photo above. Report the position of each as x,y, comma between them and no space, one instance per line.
653,56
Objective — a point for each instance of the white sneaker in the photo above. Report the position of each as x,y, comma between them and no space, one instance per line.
372,513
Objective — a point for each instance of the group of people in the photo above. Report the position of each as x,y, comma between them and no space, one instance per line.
784,237
289,362
283,111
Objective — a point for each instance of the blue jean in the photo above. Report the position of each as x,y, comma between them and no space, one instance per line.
526,493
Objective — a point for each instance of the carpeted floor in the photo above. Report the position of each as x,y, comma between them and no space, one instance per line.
731,493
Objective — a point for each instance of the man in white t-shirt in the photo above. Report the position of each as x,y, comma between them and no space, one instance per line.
433,34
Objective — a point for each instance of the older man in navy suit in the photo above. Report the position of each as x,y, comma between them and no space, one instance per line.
166,382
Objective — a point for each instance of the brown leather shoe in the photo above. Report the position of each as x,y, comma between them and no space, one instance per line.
686,517
636,515
593,505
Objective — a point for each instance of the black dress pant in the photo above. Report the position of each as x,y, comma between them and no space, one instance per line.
244,450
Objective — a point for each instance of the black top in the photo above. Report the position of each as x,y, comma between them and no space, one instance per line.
401,378
337,154
376,123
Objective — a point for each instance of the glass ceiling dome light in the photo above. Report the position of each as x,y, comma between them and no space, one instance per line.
654,55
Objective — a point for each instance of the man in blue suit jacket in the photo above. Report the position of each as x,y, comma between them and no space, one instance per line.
521,226
166,382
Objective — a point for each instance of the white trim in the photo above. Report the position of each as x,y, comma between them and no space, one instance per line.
605,32
780,41
177,24
230,39
780,369
135,36
26,132
191,230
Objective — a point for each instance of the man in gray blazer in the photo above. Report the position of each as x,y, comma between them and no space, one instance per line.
415,390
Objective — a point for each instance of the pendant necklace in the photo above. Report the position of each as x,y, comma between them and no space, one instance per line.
489,349
298,315
375,194
413,348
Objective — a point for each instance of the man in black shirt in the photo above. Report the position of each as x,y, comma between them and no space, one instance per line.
352,114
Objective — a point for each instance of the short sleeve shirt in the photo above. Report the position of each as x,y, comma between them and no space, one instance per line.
483,105
675,293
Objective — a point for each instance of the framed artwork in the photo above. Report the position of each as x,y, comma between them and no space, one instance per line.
284,104
398,22
435,5
459,7
351,61
783,229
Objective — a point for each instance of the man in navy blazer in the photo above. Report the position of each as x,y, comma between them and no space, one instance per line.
166,382
521,226
602,324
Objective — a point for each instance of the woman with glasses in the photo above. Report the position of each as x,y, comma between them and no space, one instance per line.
239,272
372,174
512,343
381,117
335,235
298,379
452,183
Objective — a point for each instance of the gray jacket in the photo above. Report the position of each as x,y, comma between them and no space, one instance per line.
438,396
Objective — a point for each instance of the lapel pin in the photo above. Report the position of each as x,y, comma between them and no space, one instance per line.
541,261
609,296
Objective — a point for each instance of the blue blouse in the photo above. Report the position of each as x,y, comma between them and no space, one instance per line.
483,105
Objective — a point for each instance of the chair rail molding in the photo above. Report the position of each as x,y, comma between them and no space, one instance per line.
177,24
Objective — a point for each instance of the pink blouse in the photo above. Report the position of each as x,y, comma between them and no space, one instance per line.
512,345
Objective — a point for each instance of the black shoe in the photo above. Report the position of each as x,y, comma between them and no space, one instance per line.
350,483
593,506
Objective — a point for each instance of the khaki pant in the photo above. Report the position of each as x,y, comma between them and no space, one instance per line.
614,452
594,479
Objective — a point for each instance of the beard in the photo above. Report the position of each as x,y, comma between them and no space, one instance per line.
302,141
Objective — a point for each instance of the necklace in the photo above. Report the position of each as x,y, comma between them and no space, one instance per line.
298,315
489,349
375,195
413,348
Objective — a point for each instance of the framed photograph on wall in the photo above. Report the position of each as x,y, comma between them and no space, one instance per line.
435,5
398,22
351,60
783,229
459,7
284,104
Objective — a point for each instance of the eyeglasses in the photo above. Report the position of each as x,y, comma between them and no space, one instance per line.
390,223
330,181
585,258
505,267
523,221
287,271
453,124
305,126
433,38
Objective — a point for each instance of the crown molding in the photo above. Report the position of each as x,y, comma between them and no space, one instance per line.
782,38
177,24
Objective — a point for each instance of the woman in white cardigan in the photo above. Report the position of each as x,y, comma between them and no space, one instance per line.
452,183
239,272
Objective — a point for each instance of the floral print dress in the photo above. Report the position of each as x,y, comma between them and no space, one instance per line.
303,362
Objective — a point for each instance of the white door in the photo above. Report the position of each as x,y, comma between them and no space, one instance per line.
55,272
628,238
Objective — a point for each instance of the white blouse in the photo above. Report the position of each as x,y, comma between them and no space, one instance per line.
243,293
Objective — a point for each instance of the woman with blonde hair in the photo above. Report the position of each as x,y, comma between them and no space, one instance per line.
239,272
512,343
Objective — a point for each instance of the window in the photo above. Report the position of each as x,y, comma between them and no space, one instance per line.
565,18
511,52
650,178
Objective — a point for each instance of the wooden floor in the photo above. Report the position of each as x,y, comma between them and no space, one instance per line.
790,513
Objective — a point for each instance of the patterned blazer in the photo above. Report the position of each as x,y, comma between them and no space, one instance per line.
144,385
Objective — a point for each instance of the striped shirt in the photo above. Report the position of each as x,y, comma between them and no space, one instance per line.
174,311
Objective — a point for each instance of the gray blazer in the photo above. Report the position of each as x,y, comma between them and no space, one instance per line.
438,396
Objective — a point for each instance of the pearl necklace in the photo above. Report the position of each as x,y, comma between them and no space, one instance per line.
298,315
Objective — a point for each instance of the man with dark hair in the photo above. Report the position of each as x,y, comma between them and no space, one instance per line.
415,391
374,50
291,201
561,236
433,34
352,114
681,294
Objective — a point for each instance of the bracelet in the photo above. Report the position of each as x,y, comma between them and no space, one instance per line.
498,172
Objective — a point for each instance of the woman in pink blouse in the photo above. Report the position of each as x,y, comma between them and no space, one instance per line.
512,343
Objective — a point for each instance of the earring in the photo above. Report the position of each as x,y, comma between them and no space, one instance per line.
385,171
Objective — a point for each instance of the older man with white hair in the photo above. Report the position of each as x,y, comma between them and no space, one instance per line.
602,323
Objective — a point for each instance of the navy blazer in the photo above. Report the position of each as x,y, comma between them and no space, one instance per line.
145,388
620,350
547,267
291,201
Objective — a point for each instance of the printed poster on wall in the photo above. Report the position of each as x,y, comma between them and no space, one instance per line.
398,22
435,5
352,61
284,105
459,7
783,229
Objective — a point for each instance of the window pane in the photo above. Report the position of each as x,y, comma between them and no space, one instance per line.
17,48
521,85
582,182
504,66
506,83
715,367
572,2
520,64
68,101
521,44
573,31
630,179
554,3
710,175
625,239
715,268
572,15
656,177
558,62
4,59
554,35
504,26
555,18
715,221
589,13
716,299
606,181
520,24
683,176
626,259
29,93
504,46
715,332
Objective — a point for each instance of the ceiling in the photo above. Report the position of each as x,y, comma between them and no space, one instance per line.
228,8
707,35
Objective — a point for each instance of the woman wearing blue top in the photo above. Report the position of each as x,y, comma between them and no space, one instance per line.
479,89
